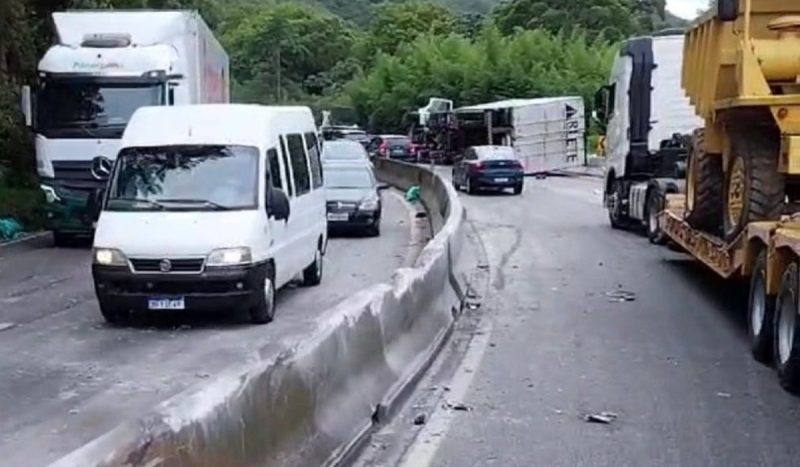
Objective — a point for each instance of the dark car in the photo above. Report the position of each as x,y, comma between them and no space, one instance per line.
354,202
393,147
495,167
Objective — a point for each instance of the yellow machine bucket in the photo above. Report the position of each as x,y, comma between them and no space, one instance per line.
752,64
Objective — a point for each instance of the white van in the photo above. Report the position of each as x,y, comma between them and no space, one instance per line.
210,207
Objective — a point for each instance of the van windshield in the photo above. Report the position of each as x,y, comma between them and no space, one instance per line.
185,178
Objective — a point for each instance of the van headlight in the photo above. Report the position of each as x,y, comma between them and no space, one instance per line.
230,257
109,257
369,204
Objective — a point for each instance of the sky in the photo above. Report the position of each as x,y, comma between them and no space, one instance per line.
686,8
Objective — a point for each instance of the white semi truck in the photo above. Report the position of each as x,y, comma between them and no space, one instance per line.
104,66
648,121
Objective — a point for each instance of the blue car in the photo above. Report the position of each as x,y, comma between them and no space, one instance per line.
489,167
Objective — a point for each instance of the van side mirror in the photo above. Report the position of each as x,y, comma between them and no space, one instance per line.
96,201
27,105
278,205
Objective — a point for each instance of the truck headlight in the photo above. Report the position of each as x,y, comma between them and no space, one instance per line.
109,257
369,204
229,257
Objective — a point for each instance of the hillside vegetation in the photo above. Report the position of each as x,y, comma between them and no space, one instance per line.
377,58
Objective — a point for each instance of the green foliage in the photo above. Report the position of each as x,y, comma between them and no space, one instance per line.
492,67
401,23
615,19
286,51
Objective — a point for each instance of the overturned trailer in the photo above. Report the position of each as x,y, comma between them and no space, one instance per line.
547,134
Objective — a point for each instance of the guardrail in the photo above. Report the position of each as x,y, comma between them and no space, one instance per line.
316,402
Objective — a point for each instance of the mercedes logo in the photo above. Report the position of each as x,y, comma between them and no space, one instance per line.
165,265
101,167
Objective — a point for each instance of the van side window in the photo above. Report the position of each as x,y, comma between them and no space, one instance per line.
274,167
297,152
287,167
313,159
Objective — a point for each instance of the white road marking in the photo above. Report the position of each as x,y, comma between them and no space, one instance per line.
423,451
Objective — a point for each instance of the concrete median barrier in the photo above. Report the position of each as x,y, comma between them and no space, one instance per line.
314,402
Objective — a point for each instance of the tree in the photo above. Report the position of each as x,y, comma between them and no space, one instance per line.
283,51
614,19
401,23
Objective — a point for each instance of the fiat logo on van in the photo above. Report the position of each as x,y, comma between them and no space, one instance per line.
165,265
101,167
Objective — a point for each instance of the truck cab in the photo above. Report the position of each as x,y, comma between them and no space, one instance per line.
104,66
647,119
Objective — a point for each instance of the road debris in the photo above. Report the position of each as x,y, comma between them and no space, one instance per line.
7,326
621,296
420,419
459,407
725,395
604,418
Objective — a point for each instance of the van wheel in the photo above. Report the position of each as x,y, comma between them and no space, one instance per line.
312,275
114,315
655,204
264,311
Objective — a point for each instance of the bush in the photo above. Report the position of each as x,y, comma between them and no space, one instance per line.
23,204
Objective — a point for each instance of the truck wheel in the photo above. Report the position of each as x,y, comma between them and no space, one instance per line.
787,347
728,10
760,312
754,189
655,204
62,240
312,275
263,311
616,215
703,187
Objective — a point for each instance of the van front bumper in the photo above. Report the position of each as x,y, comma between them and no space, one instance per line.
230,288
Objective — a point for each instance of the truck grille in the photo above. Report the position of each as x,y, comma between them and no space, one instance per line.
190,265
76,175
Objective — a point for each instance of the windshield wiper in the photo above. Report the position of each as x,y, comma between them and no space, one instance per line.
205,202
149,202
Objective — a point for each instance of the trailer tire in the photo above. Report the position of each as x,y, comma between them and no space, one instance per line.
703,187
728,10
760,312
654,206
787,334
754,188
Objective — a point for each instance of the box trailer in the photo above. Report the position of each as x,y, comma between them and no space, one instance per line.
547,134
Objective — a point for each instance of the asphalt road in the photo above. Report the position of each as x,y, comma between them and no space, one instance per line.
549,346
66,377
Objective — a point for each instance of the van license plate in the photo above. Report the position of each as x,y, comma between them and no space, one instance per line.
166,304
338,216
501,180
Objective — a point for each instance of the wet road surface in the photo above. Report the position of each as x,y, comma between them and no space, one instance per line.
67,377
579,320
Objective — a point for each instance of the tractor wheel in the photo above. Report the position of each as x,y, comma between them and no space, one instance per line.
754,189
703,187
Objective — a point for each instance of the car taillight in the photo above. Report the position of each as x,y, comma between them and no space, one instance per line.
477,167
517,165
384,148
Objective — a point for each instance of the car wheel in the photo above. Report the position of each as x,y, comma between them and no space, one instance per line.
312,275
518,189
263,312
114,315
470,188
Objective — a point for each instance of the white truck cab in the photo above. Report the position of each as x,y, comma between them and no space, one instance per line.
648,120
211,207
